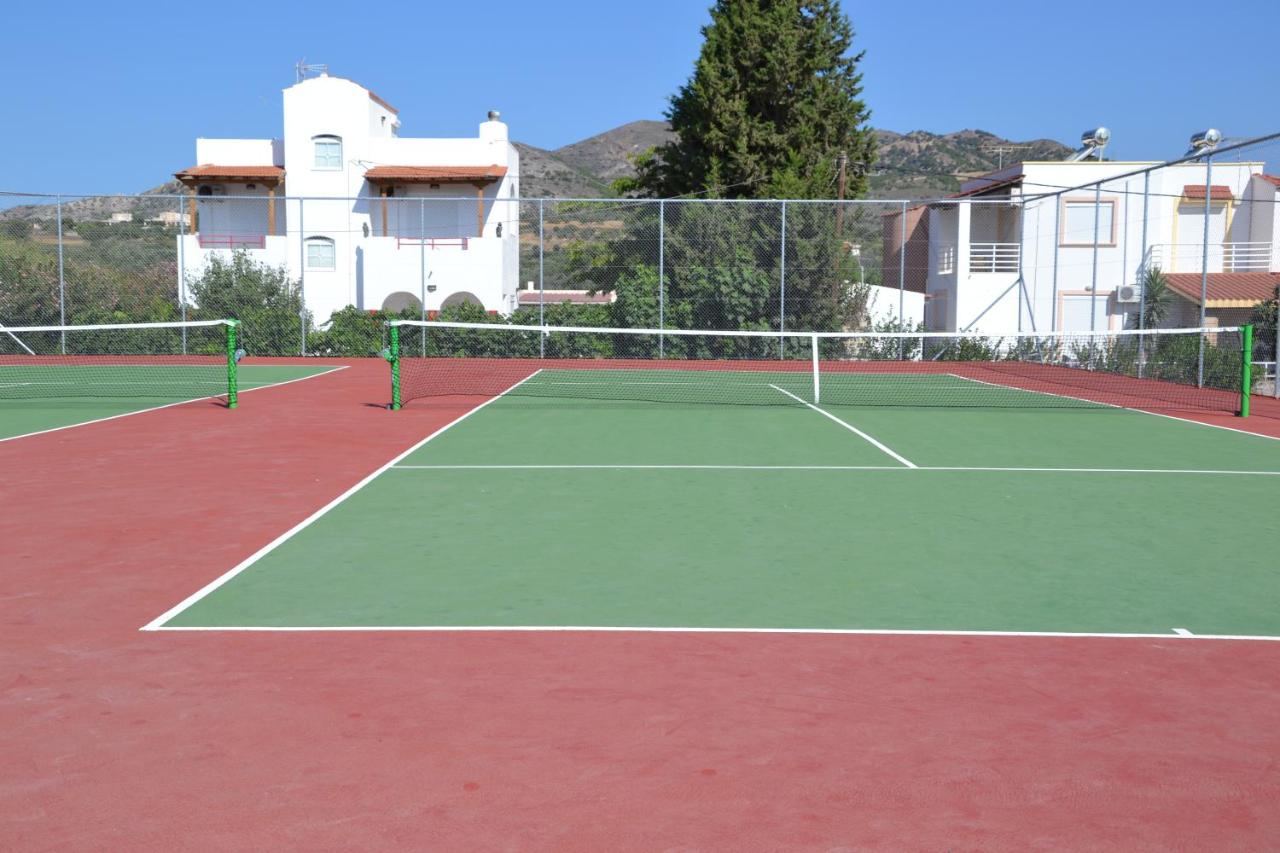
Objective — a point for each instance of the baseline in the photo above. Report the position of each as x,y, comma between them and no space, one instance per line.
1177,634
659,467
158,622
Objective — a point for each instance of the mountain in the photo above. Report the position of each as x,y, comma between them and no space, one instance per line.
918,164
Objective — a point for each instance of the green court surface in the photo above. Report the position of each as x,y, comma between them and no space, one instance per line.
545,511
71,394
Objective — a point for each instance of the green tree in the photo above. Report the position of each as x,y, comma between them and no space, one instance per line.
266,301
774,97
1157,300
1264,328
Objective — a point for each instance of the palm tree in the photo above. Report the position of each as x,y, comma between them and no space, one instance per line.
1157,300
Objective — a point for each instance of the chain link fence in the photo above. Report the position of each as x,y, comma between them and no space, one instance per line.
1186,243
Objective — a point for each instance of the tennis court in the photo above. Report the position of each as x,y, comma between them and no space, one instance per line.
933,502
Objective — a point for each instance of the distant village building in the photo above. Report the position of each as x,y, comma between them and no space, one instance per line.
120,217
167,218
356,214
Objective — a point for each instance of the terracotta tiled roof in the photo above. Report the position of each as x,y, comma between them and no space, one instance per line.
1218,192
555,297
1226,289
435,174
1272,179
208,171
373,97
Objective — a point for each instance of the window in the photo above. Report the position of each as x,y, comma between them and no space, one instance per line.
1078,222
328,152
320,254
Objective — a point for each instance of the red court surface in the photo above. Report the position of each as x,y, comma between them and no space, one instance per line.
121,739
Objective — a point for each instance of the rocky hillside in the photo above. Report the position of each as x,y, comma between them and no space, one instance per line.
917,164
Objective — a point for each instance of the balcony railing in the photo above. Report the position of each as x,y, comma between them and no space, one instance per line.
232,241
434,242
1222,257
994,257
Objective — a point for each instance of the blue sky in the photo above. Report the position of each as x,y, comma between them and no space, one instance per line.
110,97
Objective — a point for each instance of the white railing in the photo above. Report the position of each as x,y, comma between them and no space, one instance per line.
946,258
994,257
1222,257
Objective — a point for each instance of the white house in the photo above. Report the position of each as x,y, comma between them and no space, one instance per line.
357,214
1014,252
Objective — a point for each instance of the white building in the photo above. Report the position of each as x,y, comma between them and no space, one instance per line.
1013,252
357,214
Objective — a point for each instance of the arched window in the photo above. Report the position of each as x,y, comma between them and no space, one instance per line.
321,254
328,151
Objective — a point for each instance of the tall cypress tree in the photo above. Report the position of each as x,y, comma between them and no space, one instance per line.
774,98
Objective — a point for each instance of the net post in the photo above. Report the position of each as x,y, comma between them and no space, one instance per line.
232,386
1246,368
813,341
395,367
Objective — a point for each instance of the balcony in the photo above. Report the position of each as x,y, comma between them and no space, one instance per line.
1221,257
994,257
231,241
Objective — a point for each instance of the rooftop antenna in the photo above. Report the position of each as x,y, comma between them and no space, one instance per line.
1092,145
303,70
1204,142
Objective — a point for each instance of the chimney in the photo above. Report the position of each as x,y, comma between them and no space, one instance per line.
493,130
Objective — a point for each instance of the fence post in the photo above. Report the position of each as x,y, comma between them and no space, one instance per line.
62,284
1055,320
1142,276
782,295
662,270
542,338
302,275
422,263
182,272
1093,287
1204,263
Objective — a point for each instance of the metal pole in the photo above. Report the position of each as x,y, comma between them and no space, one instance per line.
1142,277
62,284
302,276
1093,288
662,270
902,278
1204,264
782,295
422,263
1022,221
1057,240
542,339
182,272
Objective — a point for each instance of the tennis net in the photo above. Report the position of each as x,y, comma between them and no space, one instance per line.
173,361
1177,369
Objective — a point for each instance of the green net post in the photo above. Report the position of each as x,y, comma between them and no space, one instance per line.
1246,369
232,389
394,358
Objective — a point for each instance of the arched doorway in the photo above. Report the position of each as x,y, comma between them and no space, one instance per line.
462,297
401,301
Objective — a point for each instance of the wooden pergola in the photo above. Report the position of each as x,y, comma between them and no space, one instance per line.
385,178
269,176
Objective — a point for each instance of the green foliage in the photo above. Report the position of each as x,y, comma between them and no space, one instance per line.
775,96
353,333
266,301
1157,300
28,284
1264,328
19,229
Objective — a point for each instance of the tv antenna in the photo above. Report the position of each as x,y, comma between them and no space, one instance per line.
304,70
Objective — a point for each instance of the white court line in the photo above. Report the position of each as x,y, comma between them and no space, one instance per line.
904,460
168,405
1174,634
573,467
1114,406
156,623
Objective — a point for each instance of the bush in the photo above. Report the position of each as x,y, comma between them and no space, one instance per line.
264,299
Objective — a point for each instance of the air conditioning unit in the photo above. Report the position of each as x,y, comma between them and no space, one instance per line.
1131,293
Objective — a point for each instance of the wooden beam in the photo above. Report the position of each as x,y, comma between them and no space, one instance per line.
271,211
191,211
479,210
382,191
